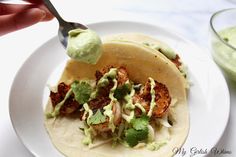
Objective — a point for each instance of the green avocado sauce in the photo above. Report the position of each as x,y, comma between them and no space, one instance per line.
153,96
56,111
84,45
154,146
108,108
87,110
103,81
87,140
165,50
224,55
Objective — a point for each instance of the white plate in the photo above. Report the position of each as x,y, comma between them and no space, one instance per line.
208,97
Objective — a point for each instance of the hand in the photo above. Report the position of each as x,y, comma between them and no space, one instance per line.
17,16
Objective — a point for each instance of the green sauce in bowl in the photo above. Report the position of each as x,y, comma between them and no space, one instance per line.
225,55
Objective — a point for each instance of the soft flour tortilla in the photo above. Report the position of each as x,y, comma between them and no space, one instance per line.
143,40
141,63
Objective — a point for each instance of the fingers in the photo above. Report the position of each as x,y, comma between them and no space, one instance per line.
41,5
48,16
14,17
12,8
13,22
6,9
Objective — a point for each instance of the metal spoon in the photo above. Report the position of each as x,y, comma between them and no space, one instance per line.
64,26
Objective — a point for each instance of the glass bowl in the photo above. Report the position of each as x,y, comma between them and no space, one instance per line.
223,41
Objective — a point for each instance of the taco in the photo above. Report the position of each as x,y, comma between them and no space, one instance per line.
159,47
131,103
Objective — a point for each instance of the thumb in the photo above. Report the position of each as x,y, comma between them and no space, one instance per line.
13,22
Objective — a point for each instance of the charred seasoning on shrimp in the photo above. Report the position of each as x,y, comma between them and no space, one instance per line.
70,105
177,61
113,107
107,81
161,96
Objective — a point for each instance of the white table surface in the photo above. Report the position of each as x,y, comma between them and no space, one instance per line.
190,18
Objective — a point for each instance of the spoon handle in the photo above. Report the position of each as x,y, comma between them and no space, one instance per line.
52,9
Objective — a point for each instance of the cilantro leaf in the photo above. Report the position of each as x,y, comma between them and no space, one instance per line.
138,132
82,91
132,136
97,118
140,123
121,91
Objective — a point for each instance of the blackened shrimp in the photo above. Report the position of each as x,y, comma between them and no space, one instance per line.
70,105
116,109
177,61
58,96
162,99
100,73
98,103
104,127
122,75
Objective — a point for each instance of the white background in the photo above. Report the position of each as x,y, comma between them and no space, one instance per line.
189,18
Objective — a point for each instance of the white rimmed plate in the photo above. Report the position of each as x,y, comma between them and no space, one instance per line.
208,96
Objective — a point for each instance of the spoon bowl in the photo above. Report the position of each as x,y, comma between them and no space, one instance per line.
64,26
